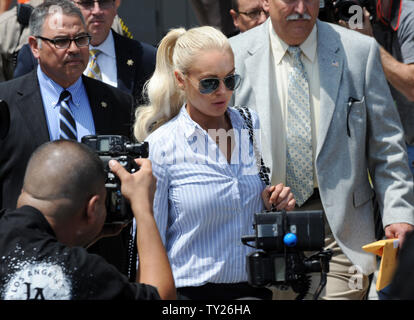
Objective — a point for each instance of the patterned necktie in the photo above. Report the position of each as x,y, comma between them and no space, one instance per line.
93,67
299,159
67,122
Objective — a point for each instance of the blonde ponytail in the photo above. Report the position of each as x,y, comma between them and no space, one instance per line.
163,94
176,51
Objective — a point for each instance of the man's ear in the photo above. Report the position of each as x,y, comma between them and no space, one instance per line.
92,209
266,5
34,46
234,15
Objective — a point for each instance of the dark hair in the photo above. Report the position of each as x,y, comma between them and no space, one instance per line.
72,169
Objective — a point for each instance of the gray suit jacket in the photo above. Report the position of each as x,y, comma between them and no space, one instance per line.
352,141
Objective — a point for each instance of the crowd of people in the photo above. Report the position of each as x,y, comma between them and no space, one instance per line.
288,113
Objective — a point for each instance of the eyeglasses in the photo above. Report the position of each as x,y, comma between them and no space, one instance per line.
90,4
209,85
64,43
255,14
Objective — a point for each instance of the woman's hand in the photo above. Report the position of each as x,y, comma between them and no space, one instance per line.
279,196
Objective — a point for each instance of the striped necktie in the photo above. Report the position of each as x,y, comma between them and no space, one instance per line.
299,158
93,68
67,122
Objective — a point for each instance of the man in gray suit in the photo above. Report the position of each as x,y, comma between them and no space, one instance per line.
321,95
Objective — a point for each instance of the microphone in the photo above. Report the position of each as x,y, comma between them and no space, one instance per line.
4,119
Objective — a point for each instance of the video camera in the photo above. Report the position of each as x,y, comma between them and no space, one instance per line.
118,148
283,238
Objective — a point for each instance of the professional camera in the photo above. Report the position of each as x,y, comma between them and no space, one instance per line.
283,238
335,10
118,148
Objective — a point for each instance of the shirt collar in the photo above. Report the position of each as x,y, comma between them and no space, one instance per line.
190,127
54,89
279,47
107,47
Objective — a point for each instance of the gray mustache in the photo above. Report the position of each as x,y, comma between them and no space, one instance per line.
298,16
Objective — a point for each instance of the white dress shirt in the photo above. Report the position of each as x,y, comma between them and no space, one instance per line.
283,63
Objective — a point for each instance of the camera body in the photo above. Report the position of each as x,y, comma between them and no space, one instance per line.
116,147
282,239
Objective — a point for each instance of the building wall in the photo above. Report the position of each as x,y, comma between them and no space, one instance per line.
150,20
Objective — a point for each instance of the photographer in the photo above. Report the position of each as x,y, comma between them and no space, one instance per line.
60,209
392,25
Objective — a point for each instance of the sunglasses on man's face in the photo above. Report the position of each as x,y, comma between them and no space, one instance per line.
209,85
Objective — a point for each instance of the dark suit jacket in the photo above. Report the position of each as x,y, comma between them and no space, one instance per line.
29,129
132,76
135,62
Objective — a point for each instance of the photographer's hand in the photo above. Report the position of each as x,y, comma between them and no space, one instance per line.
279,196
139,188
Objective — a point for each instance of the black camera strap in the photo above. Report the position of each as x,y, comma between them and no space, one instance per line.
263,170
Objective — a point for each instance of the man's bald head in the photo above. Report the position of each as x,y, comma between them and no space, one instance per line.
64,169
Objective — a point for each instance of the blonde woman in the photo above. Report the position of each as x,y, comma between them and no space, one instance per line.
208,186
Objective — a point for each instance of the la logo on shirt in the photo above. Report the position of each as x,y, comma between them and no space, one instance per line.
38,281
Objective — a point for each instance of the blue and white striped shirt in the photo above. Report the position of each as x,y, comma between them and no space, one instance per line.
78,104
203,204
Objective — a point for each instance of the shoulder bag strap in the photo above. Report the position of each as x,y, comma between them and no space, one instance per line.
263,170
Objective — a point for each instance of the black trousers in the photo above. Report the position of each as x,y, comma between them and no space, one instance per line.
224,291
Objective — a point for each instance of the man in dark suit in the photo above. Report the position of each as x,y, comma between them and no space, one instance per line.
60,42
124,63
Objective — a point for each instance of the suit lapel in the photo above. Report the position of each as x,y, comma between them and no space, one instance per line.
99,104
330,59
125,64
259,75
30,104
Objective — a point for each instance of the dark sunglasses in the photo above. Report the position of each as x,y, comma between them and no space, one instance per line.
209,85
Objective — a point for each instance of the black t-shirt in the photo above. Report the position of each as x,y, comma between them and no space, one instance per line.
34,265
